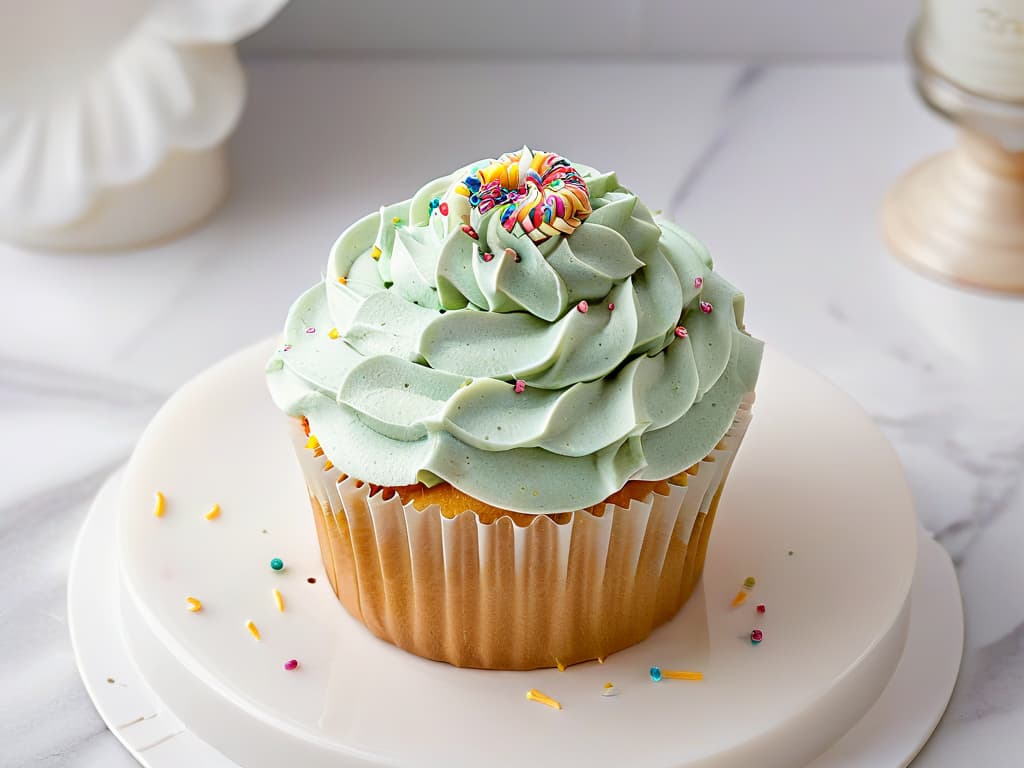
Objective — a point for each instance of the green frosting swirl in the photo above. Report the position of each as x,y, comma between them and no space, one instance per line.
419,385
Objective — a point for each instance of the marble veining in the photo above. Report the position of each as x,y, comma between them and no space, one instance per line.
780,169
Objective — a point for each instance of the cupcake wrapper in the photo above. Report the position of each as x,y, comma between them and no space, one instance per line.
501,596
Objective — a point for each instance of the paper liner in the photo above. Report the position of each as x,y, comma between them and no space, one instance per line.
501,596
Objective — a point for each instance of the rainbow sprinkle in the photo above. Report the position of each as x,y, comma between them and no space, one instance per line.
542,698
278,600
252,629
161,505
214,512
194,605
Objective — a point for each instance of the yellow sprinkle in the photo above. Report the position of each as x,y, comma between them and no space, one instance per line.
252,629
608,685
214,512
328,465
193,604
681,674
396,220
376,252
534,695
161,505
560,665
333,333
279,601
740,599
343,281
312,442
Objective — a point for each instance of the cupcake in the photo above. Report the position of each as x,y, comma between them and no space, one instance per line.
515,399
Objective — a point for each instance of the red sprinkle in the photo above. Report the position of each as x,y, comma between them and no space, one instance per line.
583,307
756,636
487,256
761,608
706,308
470,231
698,282
611,307
681,332
443,208
520,386
291,664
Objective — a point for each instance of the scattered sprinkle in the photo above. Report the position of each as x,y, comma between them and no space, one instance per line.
611,307
252,629
559,664
740,599
706,308
756,636
278,600
761,608
470,231
609,690
513,254
486,256
396,220
286,347
583,307
658,674
434,203
698,282
534,695
443,208
520,387
311,580
343,281
291,664
277,564
311,329
749,582
312,442
376,253
214,512
193,604
681,332
161,505
333,333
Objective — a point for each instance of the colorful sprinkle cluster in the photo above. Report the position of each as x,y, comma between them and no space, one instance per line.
541,192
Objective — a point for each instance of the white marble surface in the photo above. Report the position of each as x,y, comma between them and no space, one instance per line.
780,169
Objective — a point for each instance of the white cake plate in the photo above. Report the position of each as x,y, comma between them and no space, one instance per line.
838,609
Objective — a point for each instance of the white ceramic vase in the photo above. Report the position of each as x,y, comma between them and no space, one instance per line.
114,114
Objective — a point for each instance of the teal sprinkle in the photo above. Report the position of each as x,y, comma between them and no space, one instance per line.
277,564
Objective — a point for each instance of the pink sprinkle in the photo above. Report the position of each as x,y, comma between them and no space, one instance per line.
583,307
681,332
706,308
443,208
487,256
611,307
286,347
520,386
698,282
470,231
756,636
514,254
761,608
291,664
311,330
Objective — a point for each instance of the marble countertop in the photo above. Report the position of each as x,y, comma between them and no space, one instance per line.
780,170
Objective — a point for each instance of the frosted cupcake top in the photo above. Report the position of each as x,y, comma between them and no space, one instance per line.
523,329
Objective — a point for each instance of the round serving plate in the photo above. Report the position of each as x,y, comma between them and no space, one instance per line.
816,509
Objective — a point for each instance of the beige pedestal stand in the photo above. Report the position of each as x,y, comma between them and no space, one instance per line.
960,215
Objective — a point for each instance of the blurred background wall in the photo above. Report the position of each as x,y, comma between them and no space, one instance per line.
760,29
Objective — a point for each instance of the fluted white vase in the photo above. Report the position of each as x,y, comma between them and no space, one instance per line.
114,115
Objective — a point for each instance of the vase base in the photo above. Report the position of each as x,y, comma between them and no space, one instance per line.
960,216
177,197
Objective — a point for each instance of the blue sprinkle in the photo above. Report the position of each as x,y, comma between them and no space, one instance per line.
656,674
474,199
